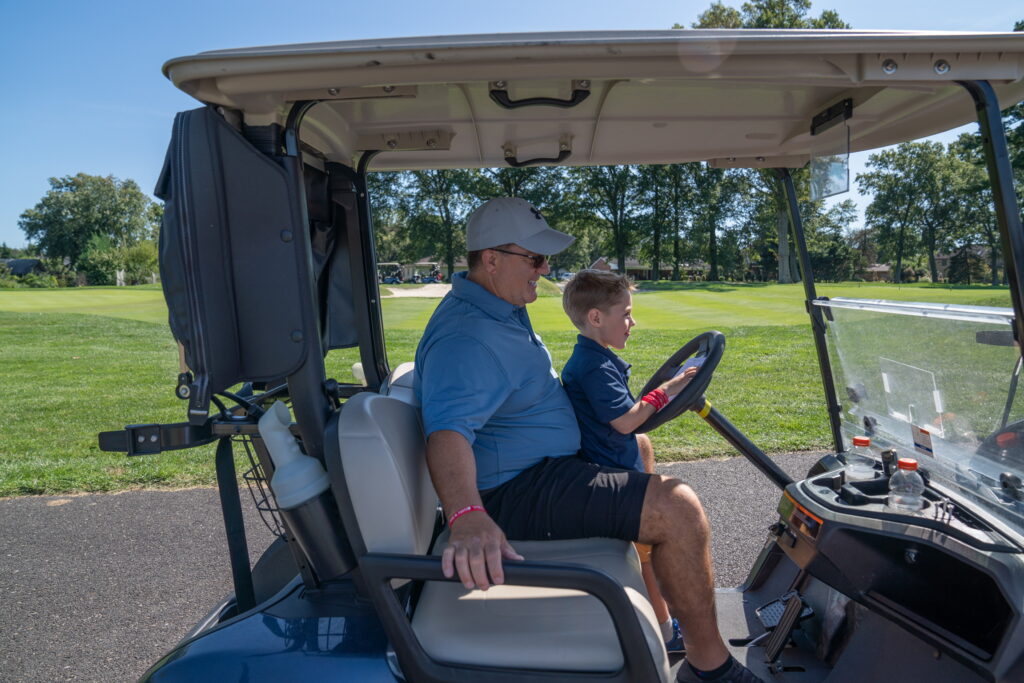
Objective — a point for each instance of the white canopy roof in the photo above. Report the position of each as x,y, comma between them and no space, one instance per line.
734,97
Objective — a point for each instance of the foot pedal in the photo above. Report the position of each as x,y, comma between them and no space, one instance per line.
771,613
791,614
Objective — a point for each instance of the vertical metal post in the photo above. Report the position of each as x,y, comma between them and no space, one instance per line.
310,402
380,359
1000,175
817,317
352,195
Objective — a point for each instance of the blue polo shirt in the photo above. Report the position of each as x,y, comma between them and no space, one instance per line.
483,372
597,382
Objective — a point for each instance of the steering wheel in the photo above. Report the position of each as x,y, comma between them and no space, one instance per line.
708,346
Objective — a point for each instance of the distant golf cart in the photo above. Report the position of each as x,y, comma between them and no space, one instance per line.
269,176
390,273
425,272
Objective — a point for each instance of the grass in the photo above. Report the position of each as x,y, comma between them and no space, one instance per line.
79,361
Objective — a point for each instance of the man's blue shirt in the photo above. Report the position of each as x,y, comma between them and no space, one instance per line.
597,382
481,371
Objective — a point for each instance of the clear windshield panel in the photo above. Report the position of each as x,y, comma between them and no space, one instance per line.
937,383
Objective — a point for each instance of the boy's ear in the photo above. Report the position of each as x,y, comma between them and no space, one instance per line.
594,317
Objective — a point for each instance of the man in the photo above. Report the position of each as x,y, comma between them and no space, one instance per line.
502,440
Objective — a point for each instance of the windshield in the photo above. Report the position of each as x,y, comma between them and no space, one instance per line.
937,383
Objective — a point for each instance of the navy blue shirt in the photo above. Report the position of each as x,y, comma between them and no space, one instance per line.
483,372
597,382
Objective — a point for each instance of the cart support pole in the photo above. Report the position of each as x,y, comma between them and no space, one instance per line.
817,317
1000,175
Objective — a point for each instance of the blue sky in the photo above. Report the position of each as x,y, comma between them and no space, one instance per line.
83,92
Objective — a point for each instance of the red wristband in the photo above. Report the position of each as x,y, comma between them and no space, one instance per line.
657,398
464,511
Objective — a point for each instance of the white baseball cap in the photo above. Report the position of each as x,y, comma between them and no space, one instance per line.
511,220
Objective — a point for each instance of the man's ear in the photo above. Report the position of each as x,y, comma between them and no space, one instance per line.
489,260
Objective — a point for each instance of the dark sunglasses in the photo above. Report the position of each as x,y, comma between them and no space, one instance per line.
537,260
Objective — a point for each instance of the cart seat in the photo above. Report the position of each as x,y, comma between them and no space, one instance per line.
383,455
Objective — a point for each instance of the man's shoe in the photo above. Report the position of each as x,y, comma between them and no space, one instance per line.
736,673
675,644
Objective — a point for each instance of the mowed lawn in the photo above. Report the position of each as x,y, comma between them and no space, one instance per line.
75,362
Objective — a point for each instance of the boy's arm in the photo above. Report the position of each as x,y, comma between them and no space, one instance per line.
641,410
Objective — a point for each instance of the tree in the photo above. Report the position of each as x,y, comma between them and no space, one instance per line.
78,207
437,203
610,191
771,14
920,192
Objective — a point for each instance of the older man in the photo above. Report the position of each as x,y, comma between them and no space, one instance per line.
502,440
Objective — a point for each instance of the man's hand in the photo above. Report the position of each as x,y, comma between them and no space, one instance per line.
475,550
676,384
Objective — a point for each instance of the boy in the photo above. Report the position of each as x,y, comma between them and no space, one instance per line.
600,304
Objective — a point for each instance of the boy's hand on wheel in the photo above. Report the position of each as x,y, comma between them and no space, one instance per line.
677,383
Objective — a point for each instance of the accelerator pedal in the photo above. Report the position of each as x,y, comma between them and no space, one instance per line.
780,617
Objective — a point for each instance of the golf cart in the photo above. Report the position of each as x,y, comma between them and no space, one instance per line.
267,262
389,273
426,271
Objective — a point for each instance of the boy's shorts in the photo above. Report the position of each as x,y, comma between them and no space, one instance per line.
568,497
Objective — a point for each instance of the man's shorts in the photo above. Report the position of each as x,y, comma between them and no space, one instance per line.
568,497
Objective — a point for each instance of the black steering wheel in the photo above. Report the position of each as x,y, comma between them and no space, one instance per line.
708,346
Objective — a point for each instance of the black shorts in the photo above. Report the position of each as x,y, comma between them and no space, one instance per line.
568,497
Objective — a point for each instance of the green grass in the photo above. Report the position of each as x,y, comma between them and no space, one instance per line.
76,362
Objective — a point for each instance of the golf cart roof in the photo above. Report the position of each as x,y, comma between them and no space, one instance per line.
734,97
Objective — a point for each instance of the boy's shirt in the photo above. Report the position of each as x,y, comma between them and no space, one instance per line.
597,382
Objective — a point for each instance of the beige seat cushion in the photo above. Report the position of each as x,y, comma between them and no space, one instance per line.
542,628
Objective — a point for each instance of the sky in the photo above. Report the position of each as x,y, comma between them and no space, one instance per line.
82,89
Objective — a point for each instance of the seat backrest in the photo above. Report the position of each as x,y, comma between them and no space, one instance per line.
383,454
399,384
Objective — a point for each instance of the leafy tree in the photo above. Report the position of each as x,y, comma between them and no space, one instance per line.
610,192
437,204
654,190
762,14
965,266
78,207
920,192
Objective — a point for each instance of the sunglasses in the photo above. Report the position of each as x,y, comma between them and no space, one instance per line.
537,260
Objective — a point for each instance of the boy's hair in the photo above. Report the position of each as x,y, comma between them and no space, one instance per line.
588,289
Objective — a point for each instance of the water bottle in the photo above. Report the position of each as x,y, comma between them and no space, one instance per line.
906,488
302,490
859,463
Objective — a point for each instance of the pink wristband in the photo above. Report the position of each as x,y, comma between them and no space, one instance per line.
464,511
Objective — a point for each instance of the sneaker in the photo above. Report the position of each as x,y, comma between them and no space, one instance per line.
675,644
736,673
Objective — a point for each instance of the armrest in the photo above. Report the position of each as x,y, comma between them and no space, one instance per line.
376,570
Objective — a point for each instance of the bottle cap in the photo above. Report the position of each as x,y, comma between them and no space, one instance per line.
861,441
908,464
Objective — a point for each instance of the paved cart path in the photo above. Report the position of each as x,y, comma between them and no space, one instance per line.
98,587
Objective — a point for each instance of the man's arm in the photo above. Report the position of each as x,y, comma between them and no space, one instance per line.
476,544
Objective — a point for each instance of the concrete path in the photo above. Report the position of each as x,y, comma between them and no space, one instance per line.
98,587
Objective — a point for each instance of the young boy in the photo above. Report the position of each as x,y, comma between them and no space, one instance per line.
600,305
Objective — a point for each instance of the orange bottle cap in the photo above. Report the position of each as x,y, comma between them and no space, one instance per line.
861,441
908,464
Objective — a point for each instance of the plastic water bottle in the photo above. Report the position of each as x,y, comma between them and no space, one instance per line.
302,490
859,462
906,488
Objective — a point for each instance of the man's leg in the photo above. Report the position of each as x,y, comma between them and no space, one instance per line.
653,590
673,521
